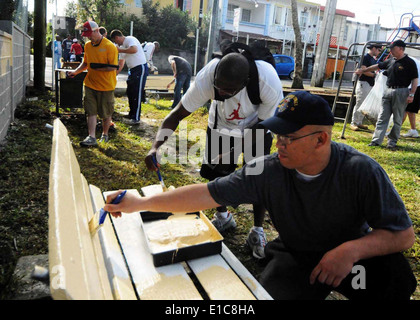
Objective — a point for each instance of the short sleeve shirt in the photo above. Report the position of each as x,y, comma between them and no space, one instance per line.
106,53
232,111
351,195
400,72
368,61
133,59
182,66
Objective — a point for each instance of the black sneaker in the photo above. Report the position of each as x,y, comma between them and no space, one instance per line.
373,144
89,141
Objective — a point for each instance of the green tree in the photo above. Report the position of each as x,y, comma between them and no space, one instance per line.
297,80
7,9
169,26
100,11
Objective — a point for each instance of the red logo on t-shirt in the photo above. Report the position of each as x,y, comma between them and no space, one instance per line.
235,114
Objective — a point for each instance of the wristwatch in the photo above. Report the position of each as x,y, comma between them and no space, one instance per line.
411,95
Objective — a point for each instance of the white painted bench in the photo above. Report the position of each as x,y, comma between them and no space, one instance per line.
115,263
155,87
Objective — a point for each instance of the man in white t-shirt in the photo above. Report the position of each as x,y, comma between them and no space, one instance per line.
149,49
131,53
231,112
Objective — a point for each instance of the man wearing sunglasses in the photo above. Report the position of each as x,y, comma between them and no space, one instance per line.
224,80
341,223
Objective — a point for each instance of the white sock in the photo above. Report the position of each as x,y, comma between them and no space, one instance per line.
258,229
222,215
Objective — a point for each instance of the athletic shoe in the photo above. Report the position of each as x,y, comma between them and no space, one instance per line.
104,138
373,144
412,133
391,147
131,121
256,241
354,128
363,127
89,141
224,224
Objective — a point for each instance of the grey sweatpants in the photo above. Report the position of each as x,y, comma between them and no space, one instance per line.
362,90
394,102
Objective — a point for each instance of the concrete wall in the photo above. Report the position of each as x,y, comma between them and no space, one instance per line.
6,61
160,59
14,71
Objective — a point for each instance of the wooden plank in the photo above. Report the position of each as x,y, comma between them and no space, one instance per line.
216,276
151,190
73,267
259,292
218,279
163,283
157,82
118,275
102,271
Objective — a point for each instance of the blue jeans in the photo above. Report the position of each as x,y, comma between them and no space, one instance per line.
182,81
57,62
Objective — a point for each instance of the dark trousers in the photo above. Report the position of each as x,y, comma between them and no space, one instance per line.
135,84
286,277
182,82
211,169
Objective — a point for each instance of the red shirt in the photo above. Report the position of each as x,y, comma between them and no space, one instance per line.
77,48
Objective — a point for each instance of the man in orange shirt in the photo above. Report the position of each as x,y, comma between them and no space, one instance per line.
101,61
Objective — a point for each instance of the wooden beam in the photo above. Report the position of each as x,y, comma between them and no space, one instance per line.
152,283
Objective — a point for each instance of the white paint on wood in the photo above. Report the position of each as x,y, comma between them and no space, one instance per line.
118,275
218,279
73,264
162,283
242,272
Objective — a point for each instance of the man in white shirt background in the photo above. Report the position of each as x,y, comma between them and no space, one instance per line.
224,81
149,49
131,53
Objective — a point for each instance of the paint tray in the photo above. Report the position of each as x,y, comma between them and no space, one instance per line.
173,238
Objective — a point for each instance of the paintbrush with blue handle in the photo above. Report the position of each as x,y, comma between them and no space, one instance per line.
99,217
159,175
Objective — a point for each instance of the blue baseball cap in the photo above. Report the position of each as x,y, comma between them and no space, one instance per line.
299,109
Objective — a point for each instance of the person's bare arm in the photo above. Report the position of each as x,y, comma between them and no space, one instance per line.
189,198
414,84
169,125
82,67
337,263
173,65
368,69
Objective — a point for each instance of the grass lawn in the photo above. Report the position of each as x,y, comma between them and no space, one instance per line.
24,170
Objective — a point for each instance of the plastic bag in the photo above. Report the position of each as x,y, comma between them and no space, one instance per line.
372,105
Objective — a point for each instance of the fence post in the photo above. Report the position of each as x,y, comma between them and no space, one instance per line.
12,102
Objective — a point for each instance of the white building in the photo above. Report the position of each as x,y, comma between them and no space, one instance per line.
272,21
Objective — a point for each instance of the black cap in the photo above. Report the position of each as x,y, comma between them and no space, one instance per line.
299,109
378,46
397,43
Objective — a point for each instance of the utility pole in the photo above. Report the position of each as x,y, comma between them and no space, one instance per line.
212,30
324,44
40,10
200,19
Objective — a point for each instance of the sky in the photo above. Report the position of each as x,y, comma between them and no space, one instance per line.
61,6
366,11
